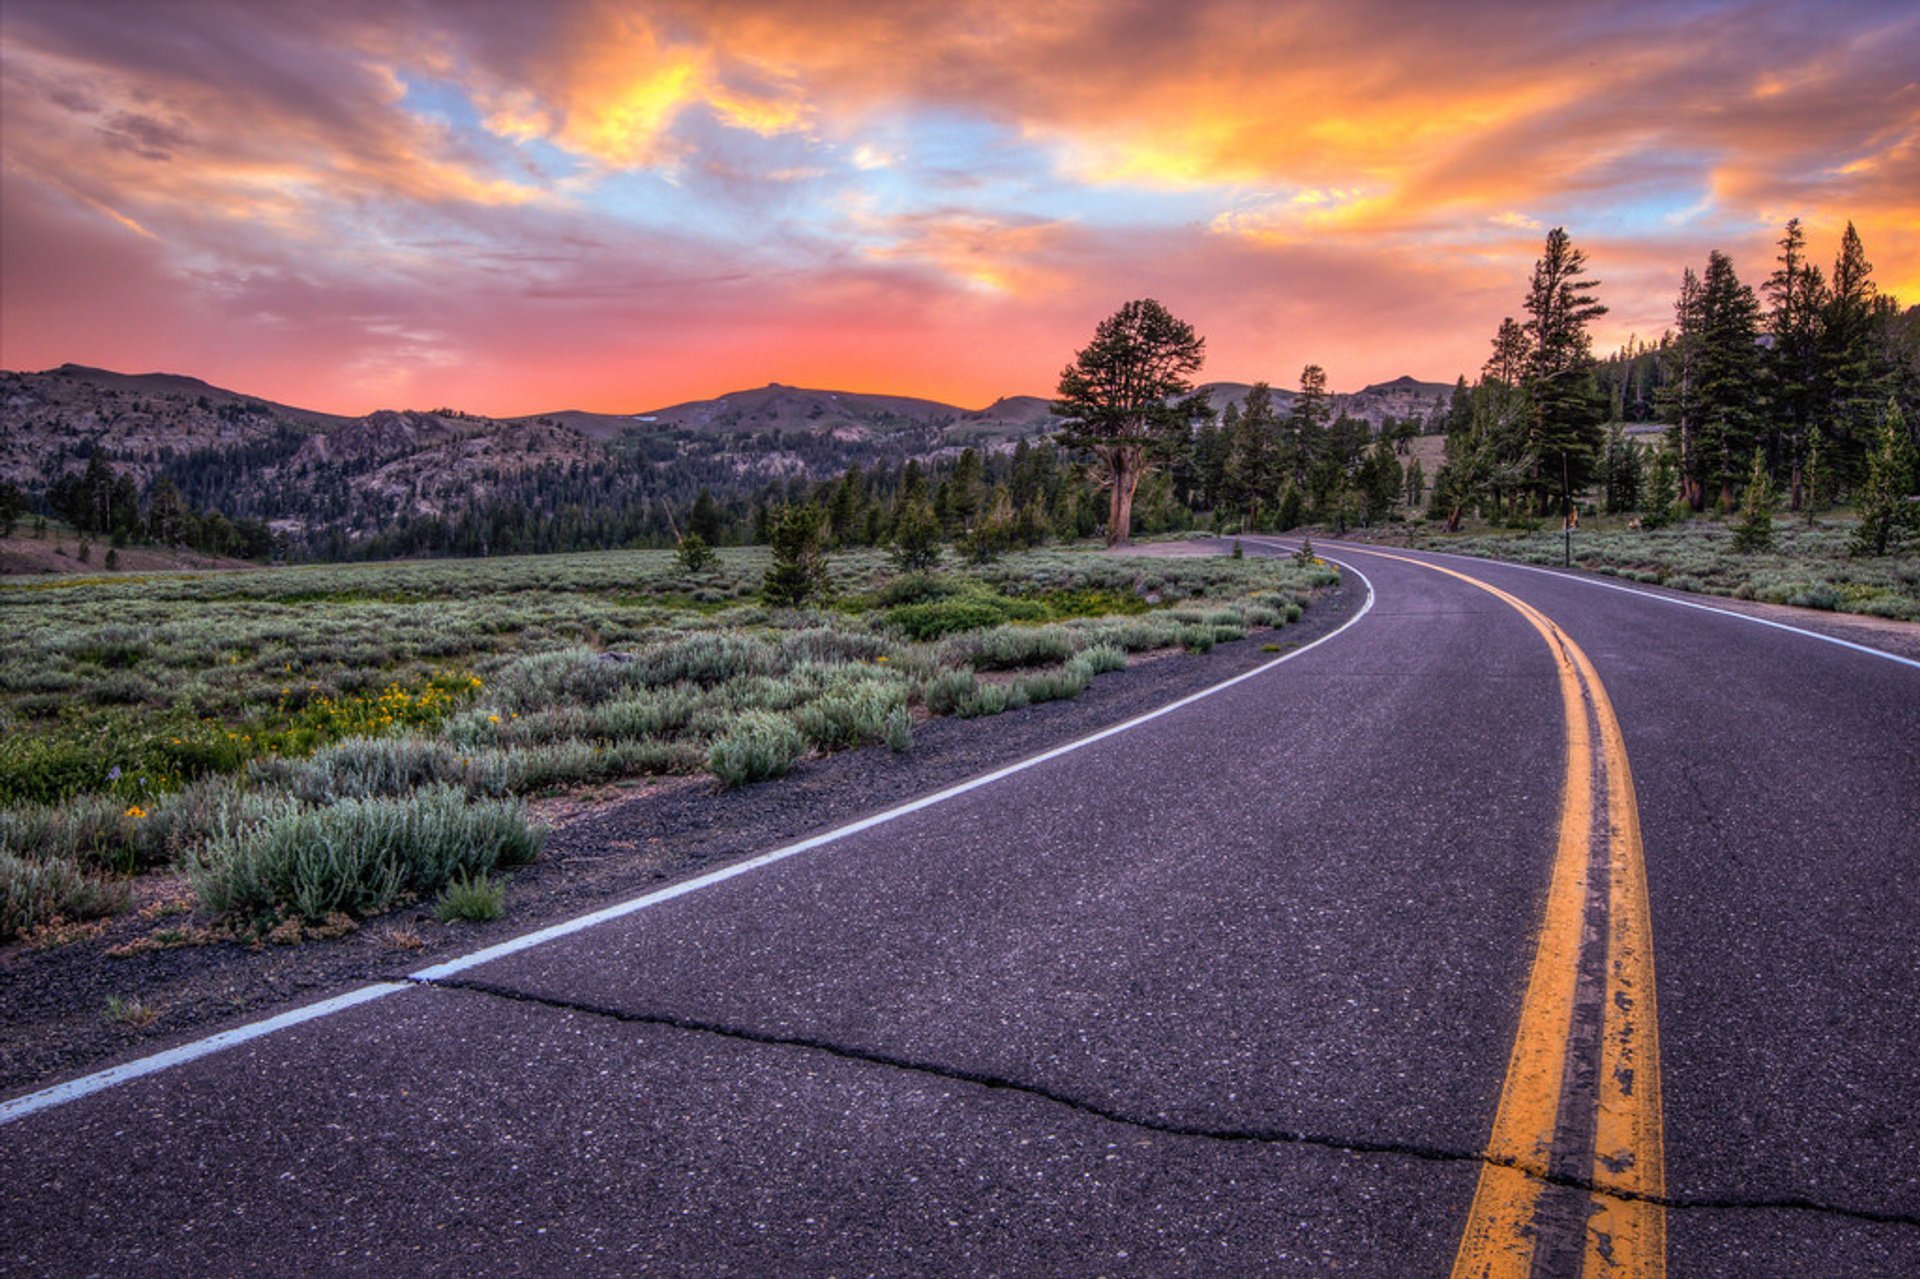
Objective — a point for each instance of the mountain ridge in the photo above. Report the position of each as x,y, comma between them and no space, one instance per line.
307,475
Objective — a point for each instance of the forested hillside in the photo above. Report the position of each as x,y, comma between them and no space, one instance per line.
169,460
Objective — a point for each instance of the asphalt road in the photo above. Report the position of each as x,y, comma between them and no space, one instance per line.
1233,992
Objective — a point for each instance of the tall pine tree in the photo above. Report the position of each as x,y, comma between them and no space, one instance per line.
1796,296
1564,433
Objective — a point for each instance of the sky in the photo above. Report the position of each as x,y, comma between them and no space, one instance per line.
511,208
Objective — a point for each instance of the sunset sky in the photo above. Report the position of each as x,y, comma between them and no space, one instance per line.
511,207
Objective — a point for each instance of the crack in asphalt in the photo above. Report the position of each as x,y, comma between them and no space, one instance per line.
1166,1127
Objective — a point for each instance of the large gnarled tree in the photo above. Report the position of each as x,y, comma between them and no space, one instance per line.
1128,399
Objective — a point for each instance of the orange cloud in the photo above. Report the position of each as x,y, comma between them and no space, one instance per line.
450,202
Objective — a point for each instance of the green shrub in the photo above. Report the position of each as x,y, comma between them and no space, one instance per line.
1101,658
991,699
98,832
1047,686
361,767
945,617
706,659
829,645
35,892
1197,638
89,830
899,730
916,588
852,718
1012,647
577,675
552,765
948,691
758,745
475,898
357,856
975,607
651,713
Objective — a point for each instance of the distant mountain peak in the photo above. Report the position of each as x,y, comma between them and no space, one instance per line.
1406,384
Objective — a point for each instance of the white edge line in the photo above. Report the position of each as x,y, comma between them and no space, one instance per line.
74,1089
1589,579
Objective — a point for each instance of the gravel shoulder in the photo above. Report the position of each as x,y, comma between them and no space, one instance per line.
607,845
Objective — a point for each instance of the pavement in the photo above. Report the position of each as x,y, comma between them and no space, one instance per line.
1232,992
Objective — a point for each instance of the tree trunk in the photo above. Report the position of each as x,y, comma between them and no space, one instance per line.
1126,478
1453,519
1795,494
1726,497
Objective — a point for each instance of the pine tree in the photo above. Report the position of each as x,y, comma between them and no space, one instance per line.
1128,399
799,570
1415,490
1620,472
1754,532
1849,385
1815,479
1888,516
1564,433
1253,454
1377,482
966,491
916,538
1726,372
167,513
695,554
13,504
846,508
1306,427
1678,398
1292,507
1796,296
1664,490
1508,363
913,483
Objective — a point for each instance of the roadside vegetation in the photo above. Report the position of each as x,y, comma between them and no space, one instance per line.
314,745
1807,567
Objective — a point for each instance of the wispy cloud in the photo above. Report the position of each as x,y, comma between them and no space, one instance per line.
612,204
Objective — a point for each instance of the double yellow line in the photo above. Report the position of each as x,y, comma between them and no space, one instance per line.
1625,1226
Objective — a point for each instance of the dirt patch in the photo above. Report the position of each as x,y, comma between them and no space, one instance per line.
58,1002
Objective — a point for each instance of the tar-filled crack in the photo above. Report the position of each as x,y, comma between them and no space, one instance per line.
1149,1123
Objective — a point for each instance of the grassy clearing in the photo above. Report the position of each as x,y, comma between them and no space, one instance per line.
313,742
1808,567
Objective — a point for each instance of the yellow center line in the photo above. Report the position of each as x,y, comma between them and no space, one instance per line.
1626,1237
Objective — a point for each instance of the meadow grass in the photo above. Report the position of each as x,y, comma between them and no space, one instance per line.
301,738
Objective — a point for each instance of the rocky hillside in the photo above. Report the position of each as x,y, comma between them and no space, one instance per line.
427,464
51,422
1401,398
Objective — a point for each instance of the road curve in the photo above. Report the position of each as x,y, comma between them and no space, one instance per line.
1235,991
